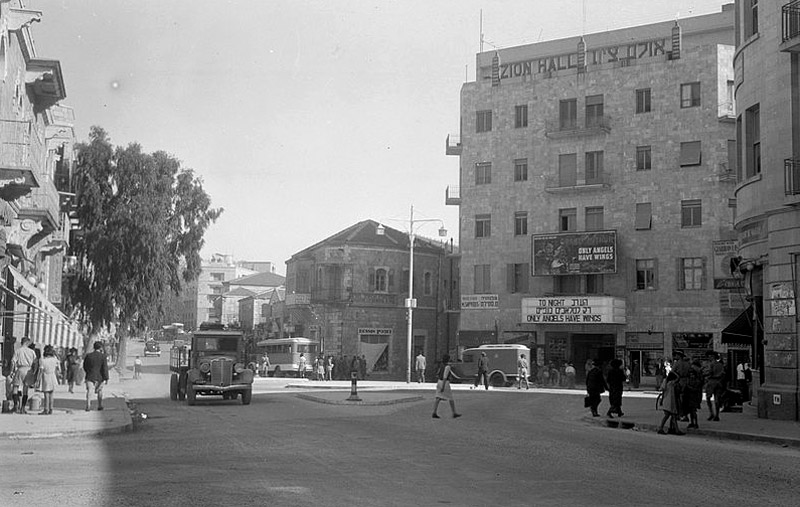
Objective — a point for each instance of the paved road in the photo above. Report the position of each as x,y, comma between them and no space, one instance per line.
510,449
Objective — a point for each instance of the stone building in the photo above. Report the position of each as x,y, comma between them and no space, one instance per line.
36,159
349,291
594,191
767,80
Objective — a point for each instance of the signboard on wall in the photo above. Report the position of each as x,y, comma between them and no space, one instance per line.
379,331
574,253
298,299
724,251
574,310
480,301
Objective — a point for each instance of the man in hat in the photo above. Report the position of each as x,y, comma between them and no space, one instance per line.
96,368
483,371
681,367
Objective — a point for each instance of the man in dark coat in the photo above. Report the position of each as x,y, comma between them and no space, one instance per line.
96,368
595,386
616,383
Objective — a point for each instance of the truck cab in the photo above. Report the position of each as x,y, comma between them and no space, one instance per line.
211,362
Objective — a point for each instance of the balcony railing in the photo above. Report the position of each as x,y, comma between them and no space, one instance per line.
790,27
571,127
453,145
554,184
452,196
791,168
376,299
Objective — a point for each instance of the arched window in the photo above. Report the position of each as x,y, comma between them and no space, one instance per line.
381,277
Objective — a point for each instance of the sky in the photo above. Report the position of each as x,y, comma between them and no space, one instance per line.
302,117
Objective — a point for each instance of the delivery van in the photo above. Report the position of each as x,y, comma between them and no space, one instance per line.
502,363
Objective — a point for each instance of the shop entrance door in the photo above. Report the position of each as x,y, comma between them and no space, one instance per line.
591,346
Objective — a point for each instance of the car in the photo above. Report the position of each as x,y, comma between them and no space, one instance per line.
152,348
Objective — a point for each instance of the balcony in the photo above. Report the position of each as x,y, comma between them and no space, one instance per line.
791,170
43,205
559,129
790,27
553,184
452,196
453,145
19,163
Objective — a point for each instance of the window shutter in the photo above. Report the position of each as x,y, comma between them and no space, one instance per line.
679,273
703,277
525,270
644,215
655,274
371,279
690,153
391,280
510,278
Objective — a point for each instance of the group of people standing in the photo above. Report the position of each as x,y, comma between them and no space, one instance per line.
41,370
329,367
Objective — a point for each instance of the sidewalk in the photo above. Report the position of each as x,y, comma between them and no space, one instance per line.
69,417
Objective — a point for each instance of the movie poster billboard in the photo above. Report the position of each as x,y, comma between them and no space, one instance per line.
574,253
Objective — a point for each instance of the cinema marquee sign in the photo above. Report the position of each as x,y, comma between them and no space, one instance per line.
574,310
609,54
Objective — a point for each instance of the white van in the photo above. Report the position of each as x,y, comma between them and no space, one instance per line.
502,363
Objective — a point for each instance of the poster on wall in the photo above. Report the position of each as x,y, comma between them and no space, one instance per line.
574,253
724,251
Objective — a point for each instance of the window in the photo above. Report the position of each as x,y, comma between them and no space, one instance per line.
483,173
521,223
217,277
483,280
752,134
643,100
594,167
644,158
594,218
568,170
594,111
216,290
692,270
483,121
518,277
404,281
483,226
594,284
645,274
690,95
427,283
521,169
567,219
381,280
644,216
690,154
521,116
691,213
568,114
750,18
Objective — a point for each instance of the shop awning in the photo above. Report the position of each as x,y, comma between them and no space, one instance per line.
43,321
741,329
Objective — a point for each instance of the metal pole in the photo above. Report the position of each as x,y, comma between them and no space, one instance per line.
409,303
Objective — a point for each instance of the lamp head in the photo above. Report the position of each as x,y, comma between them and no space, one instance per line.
442,232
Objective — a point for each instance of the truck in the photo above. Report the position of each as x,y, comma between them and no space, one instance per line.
502,363
210,361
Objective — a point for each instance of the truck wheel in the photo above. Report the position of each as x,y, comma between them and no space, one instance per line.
182,387
191,395
247,396
277,372
173,387
497,380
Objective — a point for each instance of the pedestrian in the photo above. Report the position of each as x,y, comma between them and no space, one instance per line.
693,393
319,366
483,371
265,365
362,367
681,367
96,368
419,366
595,386
748,378
443,391
301,366
329,368
73,368
636,374
669,404
21,365
741,382
555,375
137,368
522,372
616,384
570,373
49,369
714,387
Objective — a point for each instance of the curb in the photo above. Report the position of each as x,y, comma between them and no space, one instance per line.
719,434
360,403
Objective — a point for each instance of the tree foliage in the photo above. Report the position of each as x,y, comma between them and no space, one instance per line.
142,219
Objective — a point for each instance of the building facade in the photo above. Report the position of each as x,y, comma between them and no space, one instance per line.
349,291
594,192
767,81
36,162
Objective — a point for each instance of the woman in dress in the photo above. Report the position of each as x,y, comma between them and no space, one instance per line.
443,391
48,377
73,365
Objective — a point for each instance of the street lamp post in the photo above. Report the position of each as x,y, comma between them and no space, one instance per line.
411,301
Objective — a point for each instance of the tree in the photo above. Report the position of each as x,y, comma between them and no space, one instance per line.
142,219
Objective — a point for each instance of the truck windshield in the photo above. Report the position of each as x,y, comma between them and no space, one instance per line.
217,344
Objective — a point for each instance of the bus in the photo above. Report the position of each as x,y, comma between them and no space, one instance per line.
284,354
172,332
